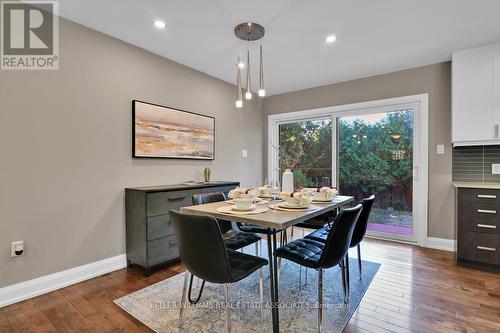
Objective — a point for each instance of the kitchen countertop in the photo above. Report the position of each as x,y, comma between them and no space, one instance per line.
476,185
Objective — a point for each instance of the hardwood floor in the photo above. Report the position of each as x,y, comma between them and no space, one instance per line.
415,290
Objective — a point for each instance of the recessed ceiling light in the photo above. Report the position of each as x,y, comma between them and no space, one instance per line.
331,38
160,24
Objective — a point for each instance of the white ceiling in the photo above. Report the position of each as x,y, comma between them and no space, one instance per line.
374,36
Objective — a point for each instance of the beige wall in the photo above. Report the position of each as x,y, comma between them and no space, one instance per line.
435,80
65,143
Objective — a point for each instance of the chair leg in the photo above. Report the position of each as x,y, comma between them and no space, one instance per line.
348,276
305,284
228,308
257,248
183,299
344,282
320,299
279,269
261,294
359,261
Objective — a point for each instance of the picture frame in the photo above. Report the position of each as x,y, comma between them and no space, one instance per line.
169,133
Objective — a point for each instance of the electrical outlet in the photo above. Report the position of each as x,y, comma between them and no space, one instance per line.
440,149
244,153
495,169
16,249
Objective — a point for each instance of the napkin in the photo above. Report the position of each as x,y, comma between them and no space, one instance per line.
239,191
264,191
304,198
330,192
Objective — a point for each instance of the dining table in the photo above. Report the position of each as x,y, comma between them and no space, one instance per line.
274,220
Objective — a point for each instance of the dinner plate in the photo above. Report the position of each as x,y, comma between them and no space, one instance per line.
230,210
292,206
243,209
323,200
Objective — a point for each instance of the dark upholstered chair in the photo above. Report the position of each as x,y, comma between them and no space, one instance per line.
233,239
359,230
321,255
204,254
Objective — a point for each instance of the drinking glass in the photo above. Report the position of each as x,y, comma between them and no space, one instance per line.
274,189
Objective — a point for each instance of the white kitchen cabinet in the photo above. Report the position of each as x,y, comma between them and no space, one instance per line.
476,96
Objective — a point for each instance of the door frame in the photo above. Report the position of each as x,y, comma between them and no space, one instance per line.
420,105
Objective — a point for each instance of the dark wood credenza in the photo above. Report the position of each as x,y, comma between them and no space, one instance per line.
478,218
150,235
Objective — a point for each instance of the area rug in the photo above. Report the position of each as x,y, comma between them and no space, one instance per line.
157,306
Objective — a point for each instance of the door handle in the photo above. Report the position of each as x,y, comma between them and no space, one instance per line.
487,226
485,248
177,198
486,211
486,196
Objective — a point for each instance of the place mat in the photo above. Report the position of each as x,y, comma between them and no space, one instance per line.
230,210
277,207
259,202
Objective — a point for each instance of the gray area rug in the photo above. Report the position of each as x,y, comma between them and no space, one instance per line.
157,306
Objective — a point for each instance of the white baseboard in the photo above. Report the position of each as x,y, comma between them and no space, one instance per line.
31,288
441,244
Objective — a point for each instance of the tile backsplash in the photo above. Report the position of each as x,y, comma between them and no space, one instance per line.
473,164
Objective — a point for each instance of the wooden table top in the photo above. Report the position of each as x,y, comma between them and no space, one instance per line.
272,218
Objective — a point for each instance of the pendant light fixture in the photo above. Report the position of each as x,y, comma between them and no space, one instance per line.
249,32
248,94
262,91
239,95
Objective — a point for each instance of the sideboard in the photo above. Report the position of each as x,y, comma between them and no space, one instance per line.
150,235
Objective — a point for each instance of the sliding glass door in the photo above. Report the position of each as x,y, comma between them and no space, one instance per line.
378,147
375,156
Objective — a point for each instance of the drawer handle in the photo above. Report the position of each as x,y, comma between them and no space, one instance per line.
485,248
486,196
486,211
180,197
487,226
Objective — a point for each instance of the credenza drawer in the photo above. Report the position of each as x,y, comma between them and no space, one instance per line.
162,249
479,217
159,226
485,196
161,202
479,247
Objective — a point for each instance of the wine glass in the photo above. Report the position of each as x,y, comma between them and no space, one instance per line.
274,189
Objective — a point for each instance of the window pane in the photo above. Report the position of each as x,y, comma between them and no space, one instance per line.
306,149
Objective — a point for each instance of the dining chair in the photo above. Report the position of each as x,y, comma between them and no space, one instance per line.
322,255
359,230
204,254
233,238
319,222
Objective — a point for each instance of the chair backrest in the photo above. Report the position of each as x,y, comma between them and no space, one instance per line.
362,224
201,247
339,238
205,198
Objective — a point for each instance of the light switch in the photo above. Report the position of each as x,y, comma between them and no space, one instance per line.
440,149
244,153
495,169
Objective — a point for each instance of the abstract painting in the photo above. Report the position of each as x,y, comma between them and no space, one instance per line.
163,132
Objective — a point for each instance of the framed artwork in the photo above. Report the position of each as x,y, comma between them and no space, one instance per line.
164,132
